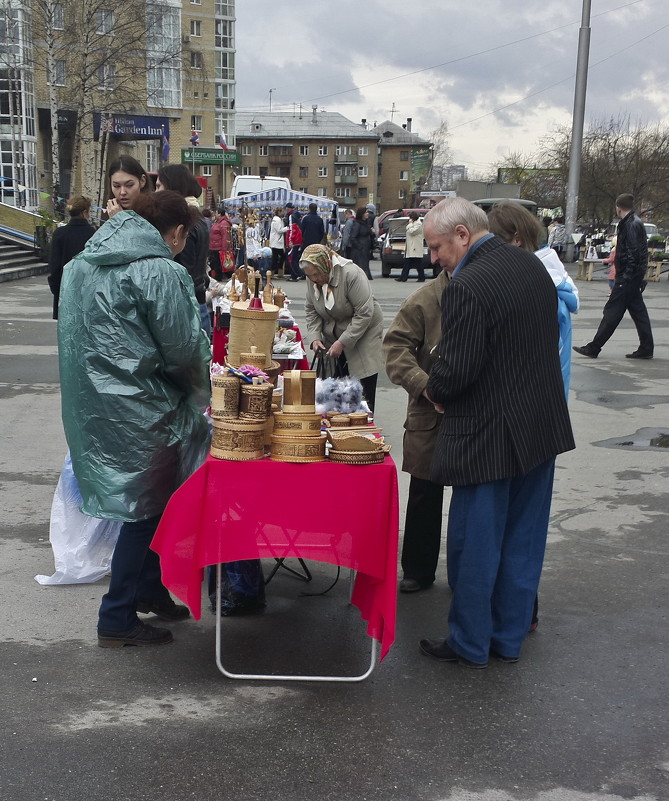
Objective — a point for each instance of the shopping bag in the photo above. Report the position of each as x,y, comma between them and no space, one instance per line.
326,366
82,546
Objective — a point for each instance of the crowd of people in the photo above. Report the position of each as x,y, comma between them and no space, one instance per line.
483,352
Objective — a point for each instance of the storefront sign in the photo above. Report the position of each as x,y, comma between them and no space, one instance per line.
131,125
210,155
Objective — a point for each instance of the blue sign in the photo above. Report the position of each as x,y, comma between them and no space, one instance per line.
131,125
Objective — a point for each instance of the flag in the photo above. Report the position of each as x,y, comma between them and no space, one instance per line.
166,147
195,139
222,142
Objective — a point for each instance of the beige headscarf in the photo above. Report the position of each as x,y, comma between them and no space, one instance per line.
320,257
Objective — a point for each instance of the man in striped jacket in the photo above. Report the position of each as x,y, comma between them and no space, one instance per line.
498,380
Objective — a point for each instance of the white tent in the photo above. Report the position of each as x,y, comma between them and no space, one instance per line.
267,201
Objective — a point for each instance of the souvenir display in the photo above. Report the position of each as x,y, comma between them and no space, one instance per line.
297,433
348,447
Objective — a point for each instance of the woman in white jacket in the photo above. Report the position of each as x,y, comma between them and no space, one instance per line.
276,241
413,254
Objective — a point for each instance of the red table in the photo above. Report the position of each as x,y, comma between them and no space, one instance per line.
347,515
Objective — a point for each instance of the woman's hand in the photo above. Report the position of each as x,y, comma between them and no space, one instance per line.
317,346
113,207
336,350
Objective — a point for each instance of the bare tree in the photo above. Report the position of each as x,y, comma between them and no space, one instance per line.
543,184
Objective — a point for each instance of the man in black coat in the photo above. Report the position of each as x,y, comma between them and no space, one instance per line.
313,229
631,261
498,380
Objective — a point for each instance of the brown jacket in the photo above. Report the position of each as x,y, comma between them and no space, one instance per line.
414,332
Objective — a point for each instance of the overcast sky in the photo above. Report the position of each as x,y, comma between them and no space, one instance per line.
500,73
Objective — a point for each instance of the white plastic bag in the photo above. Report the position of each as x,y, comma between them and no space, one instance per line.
82,545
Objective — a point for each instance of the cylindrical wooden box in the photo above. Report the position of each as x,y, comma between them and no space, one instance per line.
298,449
238,440
251,327
299,391
254,358
358,418
299,425
224,395
340,420
255,401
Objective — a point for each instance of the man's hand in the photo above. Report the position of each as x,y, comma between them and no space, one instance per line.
438,407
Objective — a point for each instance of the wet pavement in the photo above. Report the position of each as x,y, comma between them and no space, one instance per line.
582,716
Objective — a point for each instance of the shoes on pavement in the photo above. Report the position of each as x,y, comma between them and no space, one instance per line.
141,634
509,660
165,609
411,585
401,280
440,650
420,280
586,350
639,354
292,278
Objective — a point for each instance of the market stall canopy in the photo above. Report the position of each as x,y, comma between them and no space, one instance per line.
270,199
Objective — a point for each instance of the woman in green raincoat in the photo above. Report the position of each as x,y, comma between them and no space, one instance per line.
133,369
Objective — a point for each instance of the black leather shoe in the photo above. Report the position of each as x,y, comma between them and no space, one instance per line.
442,651
638,354
165,609
411,585
586,350
510,660
141,634
401,280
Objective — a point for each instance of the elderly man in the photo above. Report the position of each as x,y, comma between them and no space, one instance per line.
498,380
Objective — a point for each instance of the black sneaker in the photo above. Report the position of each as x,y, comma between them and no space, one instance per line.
141,634
639,354
165,609
442,651
586,350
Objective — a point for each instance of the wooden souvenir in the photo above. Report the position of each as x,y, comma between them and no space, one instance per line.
300,425
251,327
224,395
298,449
267,291
254,358
238,440
299,391
255,400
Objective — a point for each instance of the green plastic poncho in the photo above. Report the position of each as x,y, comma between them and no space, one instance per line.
133,367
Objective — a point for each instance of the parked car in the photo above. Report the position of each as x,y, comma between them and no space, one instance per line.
381,222
393,244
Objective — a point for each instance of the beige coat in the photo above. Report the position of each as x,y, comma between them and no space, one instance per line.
407,347
356,319
414,246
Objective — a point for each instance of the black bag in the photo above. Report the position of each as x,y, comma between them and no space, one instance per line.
327,366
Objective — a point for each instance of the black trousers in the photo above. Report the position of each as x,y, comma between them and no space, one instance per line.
625,296
278,259
422,530
413,264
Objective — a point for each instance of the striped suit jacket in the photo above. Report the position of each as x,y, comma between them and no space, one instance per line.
498,372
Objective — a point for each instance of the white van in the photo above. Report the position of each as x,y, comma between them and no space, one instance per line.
250,184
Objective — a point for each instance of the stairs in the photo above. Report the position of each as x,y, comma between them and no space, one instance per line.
19,261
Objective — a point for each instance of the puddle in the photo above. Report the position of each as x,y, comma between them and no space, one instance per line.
645,439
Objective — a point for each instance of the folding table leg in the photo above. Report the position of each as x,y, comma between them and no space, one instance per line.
272,676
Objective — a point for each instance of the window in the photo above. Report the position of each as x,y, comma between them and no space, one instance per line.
225,66
304,172
195,27
223,35
262,171
205,171
304,150
263,150
363,150
362,191
151,157
401,195
246,150
348,170
363,172
322,150
225,96
246,171
343,150
196,122
196,60
404,155
163,68
58,19
196,2
322,191
322,172
58,73
304,190
404,175
341,191
105,73
104,20
225,8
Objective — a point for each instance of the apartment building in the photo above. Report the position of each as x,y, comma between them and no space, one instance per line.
403,167
321,152
81,83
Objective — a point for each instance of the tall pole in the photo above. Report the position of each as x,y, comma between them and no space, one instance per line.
577,127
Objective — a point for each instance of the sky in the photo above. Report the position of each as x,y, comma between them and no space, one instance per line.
499,73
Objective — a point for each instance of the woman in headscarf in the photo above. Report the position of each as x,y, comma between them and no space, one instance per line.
342,316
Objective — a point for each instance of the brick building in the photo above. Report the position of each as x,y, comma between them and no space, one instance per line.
403,167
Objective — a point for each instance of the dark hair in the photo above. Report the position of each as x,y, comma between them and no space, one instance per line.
78,205
206,212
625,201
165,210
508,219
132,167
360,213
313,208
179,178
413,215
222,209
547,220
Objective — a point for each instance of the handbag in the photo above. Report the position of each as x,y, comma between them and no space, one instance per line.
326,366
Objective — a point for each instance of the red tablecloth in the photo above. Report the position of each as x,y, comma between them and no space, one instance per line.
346,515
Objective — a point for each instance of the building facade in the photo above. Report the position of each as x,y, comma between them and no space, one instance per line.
82,81
404,161
321,152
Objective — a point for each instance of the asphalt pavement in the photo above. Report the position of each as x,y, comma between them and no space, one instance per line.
582,716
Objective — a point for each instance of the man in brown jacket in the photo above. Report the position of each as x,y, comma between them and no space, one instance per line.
408,348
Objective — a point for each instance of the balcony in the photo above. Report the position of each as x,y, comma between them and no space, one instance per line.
349,158
280,158
347,180
346,201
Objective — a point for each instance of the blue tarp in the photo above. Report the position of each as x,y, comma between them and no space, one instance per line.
270,199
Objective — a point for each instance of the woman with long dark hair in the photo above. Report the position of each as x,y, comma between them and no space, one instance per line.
127,181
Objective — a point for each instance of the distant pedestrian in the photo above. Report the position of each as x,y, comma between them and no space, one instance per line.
67,241
413,252
631,262
346,233
557,237
313,228
359,241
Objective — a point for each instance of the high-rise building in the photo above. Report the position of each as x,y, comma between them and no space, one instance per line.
82,81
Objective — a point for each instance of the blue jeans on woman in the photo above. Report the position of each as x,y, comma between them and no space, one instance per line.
135,575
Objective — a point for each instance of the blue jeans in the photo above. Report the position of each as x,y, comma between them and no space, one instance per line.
496,542
135,575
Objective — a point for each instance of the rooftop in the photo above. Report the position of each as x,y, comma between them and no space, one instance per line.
304,125
389,133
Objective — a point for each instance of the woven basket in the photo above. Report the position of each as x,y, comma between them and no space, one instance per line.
251,327
340,420
358,418
224,395
255,401
298,449
356,457
238,440
299,425
299,391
